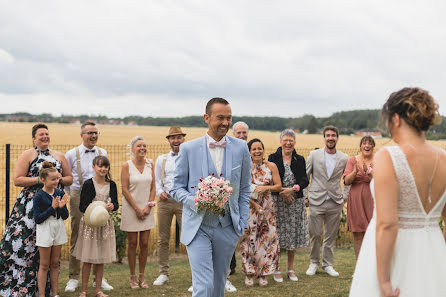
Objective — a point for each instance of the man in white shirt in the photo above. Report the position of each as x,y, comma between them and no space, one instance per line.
167,206
326,198
80,161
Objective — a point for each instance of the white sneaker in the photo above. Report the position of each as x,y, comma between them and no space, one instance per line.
330,271
161,280
72,285
229,287
104,285
191,289
312,269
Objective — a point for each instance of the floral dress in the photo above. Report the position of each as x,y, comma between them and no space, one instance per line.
19,257
259,244
291,218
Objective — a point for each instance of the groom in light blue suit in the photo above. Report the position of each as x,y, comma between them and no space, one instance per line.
211,239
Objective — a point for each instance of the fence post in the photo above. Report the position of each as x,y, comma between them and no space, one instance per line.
7,165
177,237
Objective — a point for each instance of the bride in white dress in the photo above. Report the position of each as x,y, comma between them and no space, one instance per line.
404,250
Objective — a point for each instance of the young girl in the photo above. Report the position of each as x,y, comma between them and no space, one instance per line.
96,245
50,211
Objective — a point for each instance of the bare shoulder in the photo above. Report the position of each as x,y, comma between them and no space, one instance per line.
271,165
125,165
58,155
382,161
29,154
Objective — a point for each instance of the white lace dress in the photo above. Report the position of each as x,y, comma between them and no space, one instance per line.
419,261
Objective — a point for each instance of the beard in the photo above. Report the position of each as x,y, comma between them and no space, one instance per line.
330,145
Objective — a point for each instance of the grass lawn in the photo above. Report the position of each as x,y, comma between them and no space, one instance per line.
320,285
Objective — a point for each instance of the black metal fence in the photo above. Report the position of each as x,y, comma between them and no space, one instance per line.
118,154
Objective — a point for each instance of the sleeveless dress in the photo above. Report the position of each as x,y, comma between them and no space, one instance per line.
19,255
419,259
97,245
259,245
139,187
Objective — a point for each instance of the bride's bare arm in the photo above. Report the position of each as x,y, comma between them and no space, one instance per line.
386,195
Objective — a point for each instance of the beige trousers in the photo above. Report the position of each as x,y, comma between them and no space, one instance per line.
76,216
166,211
327,216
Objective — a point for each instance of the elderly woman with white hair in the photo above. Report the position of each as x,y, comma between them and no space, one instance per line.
291,215
138,217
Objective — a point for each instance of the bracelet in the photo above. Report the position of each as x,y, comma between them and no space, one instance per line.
151,203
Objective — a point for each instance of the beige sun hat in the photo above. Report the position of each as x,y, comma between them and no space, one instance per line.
175,130
96,214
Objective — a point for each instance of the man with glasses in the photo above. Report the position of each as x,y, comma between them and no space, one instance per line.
80,160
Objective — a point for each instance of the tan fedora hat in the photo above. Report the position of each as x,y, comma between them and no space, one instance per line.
175,130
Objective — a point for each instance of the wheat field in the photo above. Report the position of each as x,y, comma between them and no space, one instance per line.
114,139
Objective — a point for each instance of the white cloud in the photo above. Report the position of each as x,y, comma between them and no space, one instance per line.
165,58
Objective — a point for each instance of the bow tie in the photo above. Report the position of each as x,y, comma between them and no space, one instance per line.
90,151
213,145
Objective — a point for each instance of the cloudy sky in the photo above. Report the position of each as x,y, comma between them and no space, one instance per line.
167,58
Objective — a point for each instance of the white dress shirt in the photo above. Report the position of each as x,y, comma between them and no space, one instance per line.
330,164
86,163
169,171
217,154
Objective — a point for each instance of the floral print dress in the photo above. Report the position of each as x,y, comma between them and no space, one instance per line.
19,256
291,218
259,244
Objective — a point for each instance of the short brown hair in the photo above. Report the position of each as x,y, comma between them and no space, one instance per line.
87,123
213,101
367,138
37,127
330,128
416,106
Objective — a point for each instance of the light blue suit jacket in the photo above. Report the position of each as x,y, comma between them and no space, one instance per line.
192,164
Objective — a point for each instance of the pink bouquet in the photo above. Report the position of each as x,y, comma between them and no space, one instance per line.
212,194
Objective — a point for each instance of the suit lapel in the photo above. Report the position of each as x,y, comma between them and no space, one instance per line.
324,166
204,162
228,157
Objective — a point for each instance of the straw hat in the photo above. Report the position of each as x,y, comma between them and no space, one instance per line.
96,214
175,130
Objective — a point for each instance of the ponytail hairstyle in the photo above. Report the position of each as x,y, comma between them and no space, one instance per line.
103,161
47,167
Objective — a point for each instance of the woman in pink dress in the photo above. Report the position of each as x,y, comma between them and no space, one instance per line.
358,174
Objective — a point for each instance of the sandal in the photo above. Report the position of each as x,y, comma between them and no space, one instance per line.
263,282
142,283
249,282
83,294
100,294
292,278
278,277
133,282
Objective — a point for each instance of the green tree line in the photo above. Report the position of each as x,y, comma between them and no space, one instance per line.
348,122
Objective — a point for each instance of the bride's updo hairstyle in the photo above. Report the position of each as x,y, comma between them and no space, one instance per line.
416,106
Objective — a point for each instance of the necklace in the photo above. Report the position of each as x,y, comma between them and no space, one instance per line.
429,184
